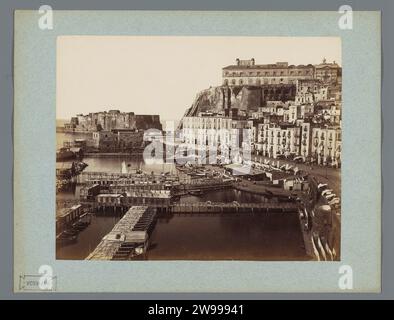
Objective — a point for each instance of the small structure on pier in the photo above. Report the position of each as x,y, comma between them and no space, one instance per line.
89,192
133,198
129,237
124,179
66,216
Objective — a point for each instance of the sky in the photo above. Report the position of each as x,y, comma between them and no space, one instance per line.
162,75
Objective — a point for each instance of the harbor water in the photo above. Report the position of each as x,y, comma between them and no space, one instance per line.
230,236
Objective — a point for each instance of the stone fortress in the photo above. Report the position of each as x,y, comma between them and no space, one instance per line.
112,120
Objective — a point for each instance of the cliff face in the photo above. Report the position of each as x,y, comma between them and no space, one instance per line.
211,99
246,98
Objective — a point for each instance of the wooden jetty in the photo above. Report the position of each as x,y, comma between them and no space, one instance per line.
231,207
129,237
131,178
65,217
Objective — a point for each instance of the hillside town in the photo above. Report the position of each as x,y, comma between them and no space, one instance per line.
278,111
266,141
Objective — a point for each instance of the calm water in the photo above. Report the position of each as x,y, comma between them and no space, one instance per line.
197,237
227,237
88,239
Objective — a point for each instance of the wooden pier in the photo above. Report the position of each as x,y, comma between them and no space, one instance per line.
219,207
129,237
207,207
117,178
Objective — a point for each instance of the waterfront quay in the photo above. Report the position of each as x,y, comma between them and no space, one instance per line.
283,194
202,207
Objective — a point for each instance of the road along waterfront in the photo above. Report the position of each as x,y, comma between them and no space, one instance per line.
204,236
201,236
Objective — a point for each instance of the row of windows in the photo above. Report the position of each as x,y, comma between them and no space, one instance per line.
266,73
258,81
331,135
206,126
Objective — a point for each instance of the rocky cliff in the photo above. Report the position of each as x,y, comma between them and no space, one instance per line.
248,98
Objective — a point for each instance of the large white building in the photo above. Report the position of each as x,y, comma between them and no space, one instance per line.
326,145
274,140
219,134
246,72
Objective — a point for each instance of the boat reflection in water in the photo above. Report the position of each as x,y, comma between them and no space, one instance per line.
230,236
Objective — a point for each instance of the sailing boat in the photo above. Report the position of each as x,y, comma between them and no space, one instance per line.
124,168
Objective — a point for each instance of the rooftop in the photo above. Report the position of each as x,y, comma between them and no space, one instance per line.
132,228
62,212
109,195
278,65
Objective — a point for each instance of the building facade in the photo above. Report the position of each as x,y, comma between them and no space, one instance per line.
278,140
246,72
328,73
326,145
225,136
118,140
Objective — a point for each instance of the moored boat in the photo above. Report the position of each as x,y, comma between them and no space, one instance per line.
64,239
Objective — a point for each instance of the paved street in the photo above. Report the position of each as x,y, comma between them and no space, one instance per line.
331,176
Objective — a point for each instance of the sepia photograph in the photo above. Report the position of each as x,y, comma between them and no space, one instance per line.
198,148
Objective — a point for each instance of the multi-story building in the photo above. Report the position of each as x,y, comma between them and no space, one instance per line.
319,144
218,133
329,73
278,139
326,145
104,141
206,130
310,91
291,114
305,136
127,140
122,140
246,72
